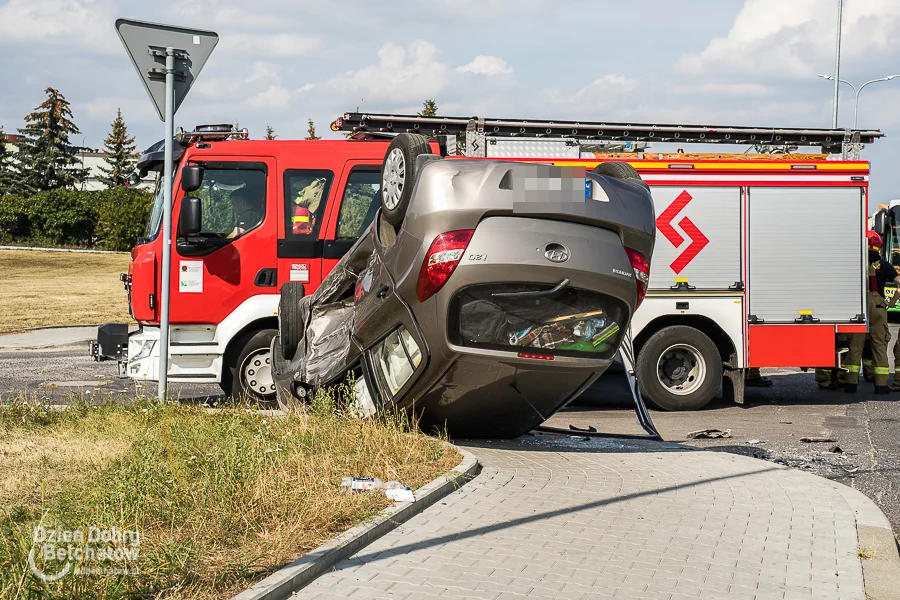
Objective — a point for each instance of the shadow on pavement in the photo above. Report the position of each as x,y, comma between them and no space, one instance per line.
487,529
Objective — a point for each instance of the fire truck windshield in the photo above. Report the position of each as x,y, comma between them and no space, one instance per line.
156,211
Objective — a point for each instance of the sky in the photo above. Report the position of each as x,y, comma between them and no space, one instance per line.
279,62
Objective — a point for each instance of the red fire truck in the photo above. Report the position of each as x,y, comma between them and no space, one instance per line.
758,261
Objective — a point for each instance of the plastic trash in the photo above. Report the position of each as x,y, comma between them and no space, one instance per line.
398,492
361,484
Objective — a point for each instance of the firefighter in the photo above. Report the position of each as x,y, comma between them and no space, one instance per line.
755,379
832,379
247,211
880,272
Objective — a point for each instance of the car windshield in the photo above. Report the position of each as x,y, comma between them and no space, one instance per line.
892,240
156,211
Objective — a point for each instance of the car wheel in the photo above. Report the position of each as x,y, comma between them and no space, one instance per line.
679,369
250,374
398,175
621,170
617,170
290,322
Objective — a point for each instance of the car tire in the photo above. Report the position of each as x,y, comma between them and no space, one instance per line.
622,171
398,175
249,375
638,182
679,369
291,327
617,170
283,395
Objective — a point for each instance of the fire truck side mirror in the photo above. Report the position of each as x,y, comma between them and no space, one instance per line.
881,223
191,177
189,220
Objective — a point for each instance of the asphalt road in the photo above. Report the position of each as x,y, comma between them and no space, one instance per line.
866,428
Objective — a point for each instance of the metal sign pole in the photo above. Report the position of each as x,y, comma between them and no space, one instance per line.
167,227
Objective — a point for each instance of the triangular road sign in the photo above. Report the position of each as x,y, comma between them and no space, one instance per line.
146,44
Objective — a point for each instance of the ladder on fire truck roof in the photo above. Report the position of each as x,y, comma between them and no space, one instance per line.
469,135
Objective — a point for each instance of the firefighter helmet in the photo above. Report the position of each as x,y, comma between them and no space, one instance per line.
874,241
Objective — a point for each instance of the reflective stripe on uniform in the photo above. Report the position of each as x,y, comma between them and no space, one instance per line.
299,219
853,368
882,370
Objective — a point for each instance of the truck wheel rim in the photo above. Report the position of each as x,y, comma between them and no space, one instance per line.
256,373
394,178
681,369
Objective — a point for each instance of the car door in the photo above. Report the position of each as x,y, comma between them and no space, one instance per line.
359,189
395,353
305,198
233,257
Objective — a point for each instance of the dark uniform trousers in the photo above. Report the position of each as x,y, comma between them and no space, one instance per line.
879,335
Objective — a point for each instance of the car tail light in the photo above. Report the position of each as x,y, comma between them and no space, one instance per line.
440,261
641,267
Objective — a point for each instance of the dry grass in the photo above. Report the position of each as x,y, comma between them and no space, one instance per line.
220,499
60,288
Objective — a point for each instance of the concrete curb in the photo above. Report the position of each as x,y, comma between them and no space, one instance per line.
881,570
77,250
304,570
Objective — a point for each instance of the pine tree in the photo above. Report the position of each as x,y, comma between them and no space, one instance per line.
120,154
47,159
7,175
311,132
270,133
429,108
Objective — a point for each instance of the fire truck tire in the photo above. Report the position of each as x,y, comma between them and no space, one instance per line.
290,321
617,170
679,369
250,374
398,175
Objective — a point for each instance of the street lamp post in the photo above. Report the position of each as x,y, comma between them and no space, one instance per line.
837,66
858,91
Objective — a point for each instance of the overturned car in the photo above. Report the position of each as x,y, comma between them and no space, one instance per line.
485,296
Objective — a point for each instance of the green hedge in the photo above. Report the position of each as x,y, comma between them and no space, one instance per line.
108,219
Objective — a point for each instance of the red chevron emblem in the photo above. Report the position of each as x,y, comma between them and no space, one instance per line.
698,240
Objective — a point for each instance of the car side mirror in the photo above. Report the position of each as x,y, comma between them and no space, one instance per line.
881,223
191,177
189,220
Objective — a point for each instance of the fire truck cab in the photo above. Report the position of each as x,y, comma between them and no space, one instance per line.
740,276
272,212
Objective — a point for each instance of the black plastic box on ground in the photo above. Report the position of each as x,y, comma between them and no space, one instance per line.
112,341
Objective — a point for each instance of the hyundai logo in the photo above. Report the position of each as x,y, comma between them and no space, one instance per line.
556,252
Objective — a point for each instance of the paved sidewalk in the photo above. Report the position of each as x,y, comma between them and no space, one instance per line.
558,517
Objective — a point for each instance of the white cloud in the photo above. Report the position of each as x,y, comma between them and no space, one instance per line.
273,97
271,45
83,25
485,65
795,38
401,74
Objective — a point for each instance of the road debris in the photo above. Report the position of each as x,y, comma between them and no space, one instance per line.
398,492
361,484
754,441
836,450
709,434
816,440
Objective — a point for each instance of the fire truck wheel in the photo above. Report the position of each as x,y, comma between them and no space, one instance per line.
398,175
617,170
250,375
290,321
679,369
